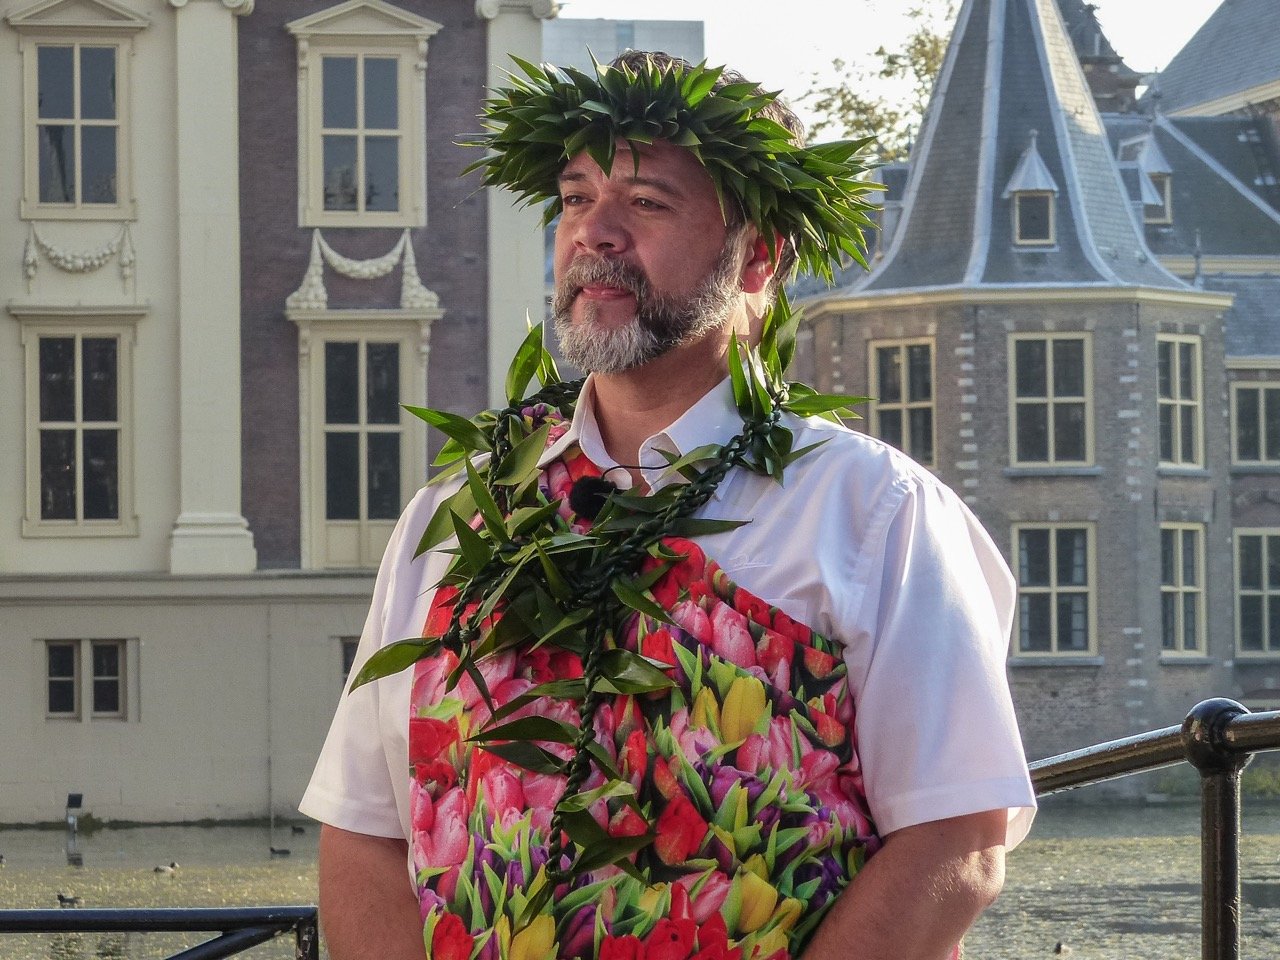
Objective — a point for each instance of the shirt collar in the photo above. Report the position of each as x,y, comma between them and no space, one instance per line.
714,419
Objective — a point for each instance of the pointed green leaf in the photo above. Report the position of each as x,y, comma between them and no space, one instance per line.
633,598
524,364
694,527
475,551
440,526
459,428
489,511
528,729
522,461
393,658
622,671
527,756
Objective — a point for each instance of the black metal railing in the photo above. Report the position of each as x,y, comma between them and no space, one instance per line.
239,928
1218,737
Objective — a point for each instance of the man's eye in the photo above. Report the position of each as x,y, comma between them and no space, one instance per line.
648,204
571,200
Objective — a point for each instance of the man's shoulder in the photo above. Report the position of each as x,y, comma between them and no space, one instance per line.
853,458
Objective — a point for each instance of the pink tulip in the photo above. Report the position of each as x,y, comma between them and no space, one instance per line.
710,897
422,811
448,840
730,638
693,620
503,793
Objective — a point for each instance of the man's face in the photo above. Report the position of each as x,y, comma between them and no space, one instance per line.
643,260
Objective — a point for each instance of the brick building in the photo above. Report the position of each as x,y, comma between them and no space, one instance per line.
1072,319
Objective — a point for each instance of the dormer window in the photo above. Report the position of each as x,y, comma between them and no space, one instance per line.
1034,193
1161,212
1157,202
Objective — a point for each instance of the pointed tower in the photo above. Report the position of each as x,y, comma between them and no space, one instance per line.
1024,344
1113,84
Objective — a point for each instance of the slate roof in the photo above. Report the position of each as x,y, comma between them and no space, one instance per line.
1237,49
1214,170
1253,322
1010,69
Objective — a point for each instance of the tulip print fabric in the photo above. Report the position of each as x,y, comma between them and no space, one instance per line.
748,764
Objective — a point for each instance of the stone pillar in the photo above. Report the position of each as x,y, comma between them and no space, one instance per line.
517,257
210,535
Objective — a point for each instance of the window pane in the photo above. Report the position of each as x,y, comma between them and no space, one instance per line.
1168,558
1187,429
1073,621
921,419
891,427
57,379
1273,562
98,165
384,476
919,372
1248,440
1033,558
1033,217
1068,368
1169,621
1190,573
1031,376
381,103
350,645
106,696
1251,623
341,383
57,164
1273,623
1249,552
1271,421
1164,366
62,696
1187,371
1166,432
338,77
1190,622
342,476
56,96
1068,431
98,83
99,368
62,660
57,474
1033,432
382,382
101,475
1034,625
339,173
382,173
1073,558
889,371
106,660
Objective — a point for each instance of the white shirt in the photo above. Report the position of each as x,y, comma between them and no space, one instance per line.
860,544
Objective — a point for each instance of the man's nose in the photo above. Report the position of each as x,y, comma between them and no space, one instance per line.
601,229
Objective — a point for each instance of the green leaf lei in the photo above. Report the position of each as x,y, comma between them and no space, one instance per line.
523,580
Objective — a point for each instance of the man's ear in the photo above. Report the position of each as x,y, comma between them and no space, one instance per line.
760,267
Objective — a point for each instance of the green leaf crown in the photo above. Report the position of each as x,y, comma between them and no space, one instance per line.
811,196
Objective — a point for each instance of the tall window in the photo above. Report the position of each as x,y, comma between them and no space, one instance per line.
1033,221
1182,605
1051,398
902,382
1179,391
77,124
1256,419
1055,589
361,115
105,668
1258,592
362,430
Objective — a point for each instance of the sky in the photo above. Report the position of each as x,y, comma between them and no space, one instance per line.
783,52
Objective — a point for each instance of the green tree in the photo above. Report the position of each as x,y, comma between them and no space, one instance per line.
885,94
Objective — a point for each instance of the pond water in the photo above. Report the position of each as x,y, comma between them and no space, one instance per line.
1110,882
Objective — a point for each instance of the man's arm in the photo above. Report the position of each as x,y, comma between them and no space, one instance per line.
367,906
915,899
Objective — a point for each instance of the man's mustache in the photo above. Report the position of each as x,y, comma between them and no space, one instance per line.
603,272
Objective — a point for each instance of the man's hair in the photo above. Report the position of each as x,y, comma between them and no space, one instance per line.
778,110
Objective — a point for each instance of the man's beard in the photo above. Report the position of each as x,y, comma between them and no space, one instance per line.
662,321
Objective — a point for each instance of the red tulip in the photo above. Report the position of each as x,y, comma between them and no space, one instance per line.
681,831
621,948
431,739
450,939
670,940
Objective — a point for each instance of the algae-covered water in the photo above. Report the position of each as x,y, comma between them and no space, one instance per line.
1110,882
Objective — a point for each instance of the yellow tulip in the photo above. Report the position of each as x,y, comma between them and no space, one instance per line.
743,706
706,712
770,943
755,863
758,900
536,941
651,897
788,913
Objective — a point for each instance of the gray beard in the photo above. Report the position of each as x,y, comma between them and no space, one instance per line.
662,322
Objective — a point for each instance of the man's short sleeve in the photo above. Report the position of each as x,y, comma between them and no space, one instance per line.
937,736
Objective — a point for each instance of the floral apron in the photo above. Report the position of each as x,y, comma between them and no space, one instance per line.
749,764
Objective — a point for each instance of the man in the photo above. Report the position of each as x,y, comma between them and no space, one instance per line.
769,820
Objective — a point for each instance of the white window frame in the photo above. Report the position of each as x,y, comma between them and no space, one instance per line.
1266,592
1262,387
96,23
1054,589
84,678
37,325
1163,182
1050,400
363,28
1018,238
355,544
1180,589
905,405
1181,406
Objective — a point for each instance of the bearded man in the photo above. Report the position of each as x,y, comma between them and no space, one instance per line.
790,737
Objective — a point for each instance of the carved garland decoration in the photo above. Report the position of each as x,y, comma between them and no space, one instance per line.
76,262
312,295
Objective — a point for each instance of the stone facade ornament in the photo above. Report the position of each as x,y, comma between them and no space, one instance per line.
312,295
239,7
77,262
541,9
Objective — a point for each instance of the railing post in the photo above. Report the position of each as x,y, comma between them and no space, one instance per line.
1204,734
